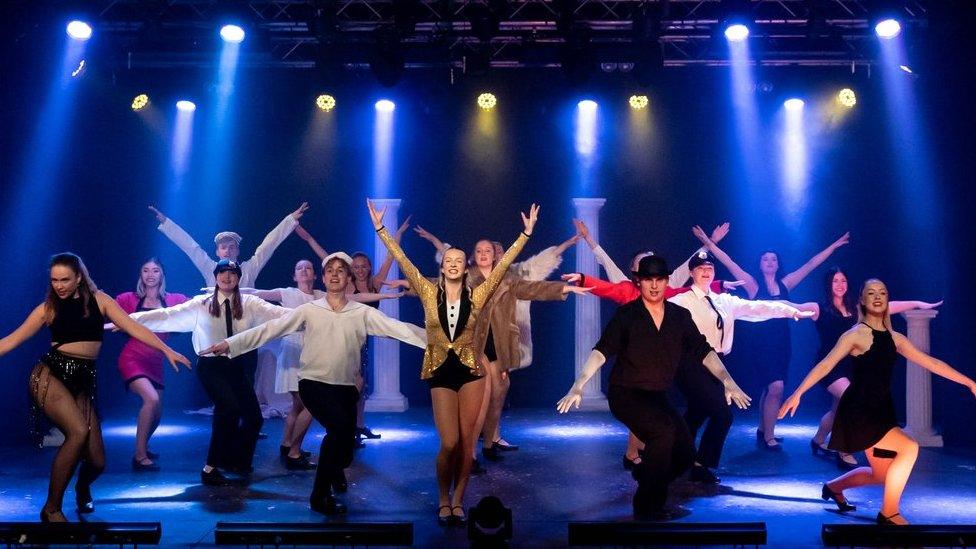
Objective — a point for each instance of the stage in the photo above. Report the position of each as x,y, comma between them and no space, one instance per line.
568,469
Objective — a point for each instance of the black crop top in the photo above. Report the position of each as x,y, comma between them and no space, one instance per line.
70,324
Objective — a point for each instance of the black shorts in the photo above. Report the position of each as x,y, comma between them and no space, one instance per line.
453,374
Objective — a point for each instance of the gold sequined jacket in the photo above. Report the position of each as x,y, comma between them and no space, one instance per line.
439,343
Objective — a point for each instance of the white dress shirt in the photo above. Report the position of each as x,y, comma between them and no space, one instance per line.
731,308
249,269
194,316
677,279
333,339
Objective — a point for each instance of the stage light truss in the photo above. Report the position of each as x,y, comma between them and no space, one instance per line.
524,33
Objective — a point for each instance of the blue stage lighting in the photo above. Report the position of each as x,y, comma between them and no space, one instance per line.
793,104
186,106
232,33
385,105
887,28
79,30
587,105
736,33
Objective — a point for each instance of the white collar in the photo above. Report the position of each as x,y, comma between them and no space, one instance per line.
699,292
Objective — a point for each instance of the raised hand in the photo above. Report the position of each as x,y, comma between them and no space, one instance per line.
792,403
700,235
159,215
844,239
375,215
219,348
582,229
403,228
530,220
175,358
573,398
297,214
719,232
572,278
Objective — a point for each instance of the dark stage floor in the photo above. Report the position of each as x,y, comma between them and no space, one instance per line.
568,469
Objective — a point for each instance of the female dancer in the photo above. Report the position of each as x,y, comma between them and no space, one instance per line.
769,342
865,417
456,379
834,316
141,366
329,356
237,415
62,385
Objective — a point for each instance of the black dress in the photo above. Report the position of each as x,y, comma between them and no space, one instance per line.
768,342
866,412
830,326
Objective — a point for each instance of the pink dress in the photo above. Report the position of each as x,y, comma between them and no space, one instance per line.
138,359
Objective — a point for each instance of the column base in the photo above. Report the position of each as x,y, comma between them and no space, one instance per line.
594,404
929,439
392,403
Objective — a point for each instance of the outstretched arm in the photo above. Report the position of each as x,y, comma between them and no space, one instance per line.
417,280
185,242
423,233
895,307
930,363
751,286
370,297
384,269
843,348
312,243
271,242
614,274
30,326
113,312
575,395
794,278
483,291
620,292
267,295
682,273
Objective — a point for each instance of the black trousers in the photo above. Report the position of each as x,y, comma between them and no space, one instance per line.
668,448
705,396
334,406
237,415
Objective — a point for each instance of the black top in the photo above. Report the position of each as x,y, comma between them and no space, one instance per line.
71,325
647,357
830,326
375,304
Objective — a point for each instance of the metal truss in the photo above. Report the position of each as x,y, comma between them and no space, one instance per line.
499,34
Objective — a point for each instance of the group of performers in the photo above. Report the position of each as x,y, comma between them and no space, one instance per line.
476,331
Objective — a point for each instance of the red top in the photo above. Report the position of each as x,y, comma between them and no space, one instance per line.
627,291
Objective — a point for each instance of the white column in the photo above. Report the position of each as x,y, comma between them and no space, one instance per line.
588,323
386,395
918,382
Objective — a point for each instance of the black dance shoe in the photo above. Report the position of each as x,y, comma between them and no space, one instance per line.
629,464
444,520
213,478
328,506
83,500
366,432
842,504
886,521
819,450
284,450
457,518
141,467
700,473
761,438
504,446
299,464
339,483
492,453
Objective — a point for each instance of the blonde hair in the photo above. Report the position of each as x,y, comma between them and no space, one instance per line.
862,310
141,288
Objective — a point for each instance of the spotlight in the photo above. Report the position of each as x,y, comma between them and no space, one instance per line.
736,33
325,102
887,28
586,105
79,30
638,102
487,101
793,104
186,106
233,34
385,105
140,102
847,97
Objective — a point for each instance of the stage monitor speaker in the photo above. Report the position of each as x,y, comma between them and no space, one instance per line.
667,533
314,533
80,533
912,535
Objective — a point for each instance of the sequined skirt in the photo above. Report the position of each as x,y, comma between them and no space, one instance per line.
76,374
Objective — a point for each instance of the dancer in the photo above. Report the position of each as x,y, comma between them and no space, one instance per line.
865,418
715,315
451,369
62,384
834,316
649,336
769,343
229,246
141,365
336,330
237,415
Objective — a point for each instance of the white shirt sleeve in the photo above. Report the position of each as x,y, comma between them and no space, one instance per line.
252,267
539,266
613,272
185,242
378,324
178,318
756,311
262,311
251,339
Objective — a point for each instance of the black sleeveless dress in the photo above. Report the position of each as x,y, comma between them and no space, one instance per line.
830,326
768,342
866,412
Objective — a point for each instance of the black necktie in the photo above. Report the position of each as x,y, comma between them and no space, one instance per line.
720,323
228,319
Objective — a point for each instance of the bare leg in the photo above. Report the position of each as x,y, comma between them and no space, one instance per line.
836,390
60,407
470,400
289,432
149,415
497,404
303,419
445,405
771,402
492,413
483,410
898,471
